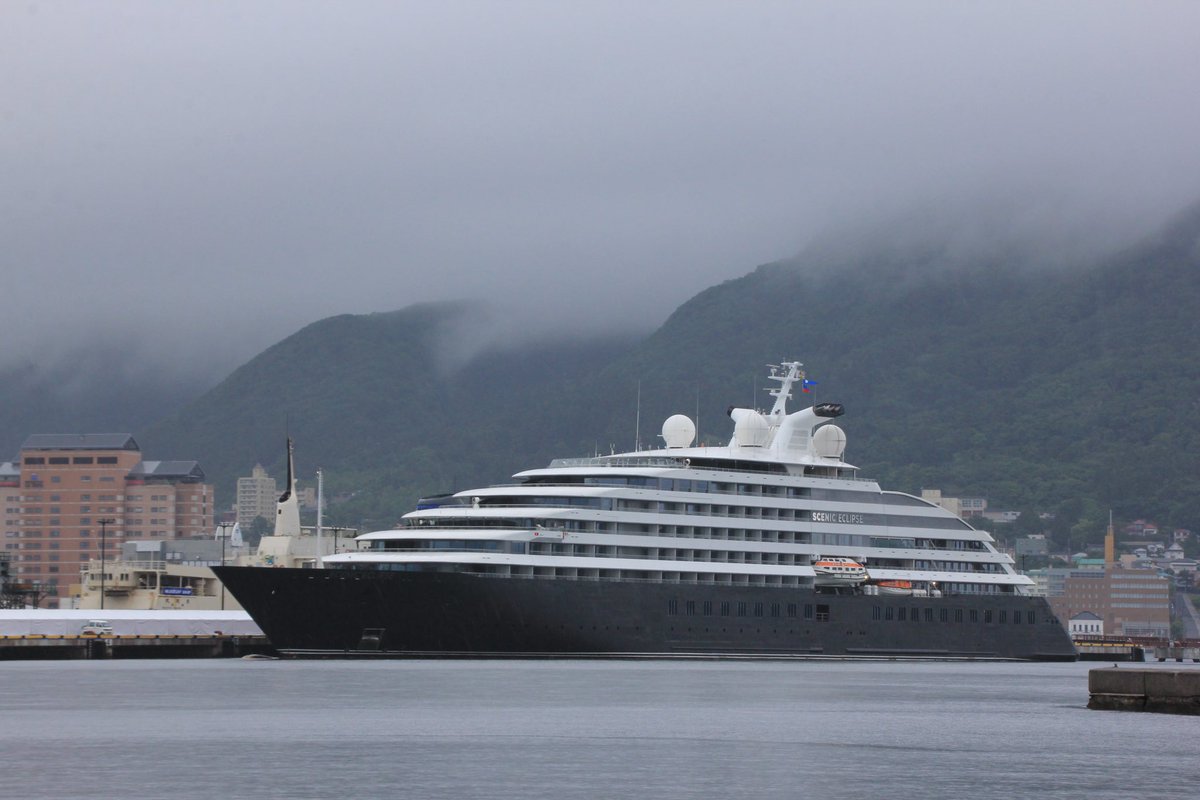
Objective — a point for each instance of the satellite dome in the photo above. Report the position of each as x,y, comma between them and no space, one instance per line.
829,441
750,429
678,431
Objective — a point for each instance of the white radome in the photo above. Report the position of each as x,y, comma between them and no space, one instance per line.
829,441
678,431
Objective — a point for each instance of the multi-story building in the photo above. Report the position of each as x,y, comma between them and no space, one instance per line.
1085,623
73,497
959,506
1129,602
256,497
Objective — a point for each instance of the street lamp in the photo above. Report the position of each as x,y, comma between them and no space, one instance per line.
104,523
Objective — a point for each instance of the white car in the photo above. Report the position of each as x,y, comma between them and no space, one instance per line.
96,627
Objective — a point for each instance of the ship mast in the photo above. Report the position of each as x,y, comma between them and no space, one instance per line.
792,373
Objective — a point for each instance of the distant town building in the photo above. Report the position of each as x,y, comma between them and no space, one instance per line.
256,496
959,506
69,493
1085,623
1027,546
972,506
307,498
1130,602
189,552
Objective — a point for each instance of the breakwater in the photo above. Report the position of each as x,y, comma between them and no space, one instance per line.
1172,691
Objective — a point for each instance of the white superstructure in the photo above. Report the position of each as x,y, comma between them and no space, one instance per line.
759,511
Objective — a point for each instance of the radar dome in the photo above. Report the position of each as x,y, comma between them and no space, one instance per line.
829,441
678,431
749,428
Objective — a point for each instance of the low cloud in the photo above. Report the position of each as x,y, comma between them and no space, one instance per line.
201,180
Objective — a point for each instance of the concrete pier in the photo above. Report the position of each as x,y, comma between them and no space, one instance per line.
1170,691
43,647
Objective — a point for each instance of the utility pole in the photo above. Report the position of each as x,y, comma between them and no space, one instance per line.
223,528
104,523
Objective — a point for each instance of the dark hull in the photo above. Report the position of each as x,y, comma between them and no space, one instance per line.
340,613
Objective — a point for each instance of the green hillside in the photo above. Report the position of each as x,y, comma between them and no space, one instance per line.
1068,390
376,402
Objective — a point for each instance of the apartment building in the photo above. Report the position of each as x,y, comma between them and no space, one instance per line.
256,497
70,498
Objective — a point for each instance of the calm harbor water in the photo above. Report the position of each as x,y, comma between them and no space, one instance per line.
578,729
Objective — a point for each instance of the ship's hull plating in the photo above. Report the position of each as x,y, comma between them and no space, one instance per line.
343,613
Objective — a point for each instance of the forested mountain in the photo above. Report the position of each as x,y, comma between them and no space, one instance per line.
1053,388
386,408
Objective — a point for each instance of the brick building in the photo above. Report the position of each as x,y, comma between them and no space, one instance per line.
1129,602
68,493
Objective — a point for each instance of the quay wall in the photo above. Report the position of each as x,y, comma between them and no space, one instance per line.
64,622
71,647
1173,691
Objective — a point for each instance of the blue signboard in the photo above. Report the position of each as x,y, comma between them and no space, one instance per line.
181,590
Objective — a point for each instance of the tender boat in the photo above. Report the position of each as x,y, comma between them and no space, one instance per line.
836,571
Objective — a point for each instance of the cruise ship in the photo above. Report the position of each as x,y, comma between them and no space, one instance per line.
769,547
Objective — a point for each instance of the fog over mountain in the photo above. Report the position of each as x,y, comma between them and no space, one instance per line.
198,179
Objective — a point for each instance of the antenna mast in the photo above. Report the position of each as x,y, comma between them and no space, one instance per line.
786,379
637,425
320,508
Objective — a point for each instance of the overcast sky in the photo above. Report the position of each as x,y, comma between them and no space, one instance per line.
223,173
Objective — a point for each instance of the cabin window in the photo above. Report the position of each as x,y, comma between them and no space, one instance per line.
672,607
876,612
929,615
708,608
987,615
888,613
808,611
725,609
1031,617
791,610
958,615
743,607
822,613
691,608
944,614
974,615
902,614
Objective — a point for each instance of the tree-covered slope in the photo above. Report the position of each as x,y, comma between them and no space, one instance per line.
384,405
1051,388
